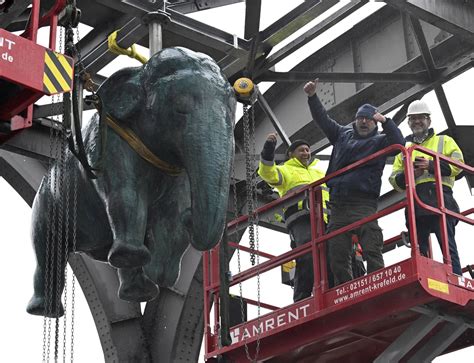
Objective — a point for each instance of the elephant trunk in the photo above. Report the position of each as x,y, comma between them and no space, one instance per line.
208,164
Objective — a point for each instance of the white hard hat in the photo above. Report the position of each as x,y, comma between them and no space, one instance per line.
417,108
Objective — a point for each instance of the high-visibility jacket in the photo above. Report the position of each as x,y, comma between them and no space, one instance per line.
442,144
291,175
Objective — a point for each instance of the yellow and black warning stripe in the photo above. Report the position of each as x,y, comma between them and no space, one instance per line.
58,73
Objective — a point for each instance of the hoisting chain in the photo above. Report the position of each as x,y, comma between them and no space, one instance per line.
51,243
253,219
74,237
249,183
71,178
60,242
59,232
50,233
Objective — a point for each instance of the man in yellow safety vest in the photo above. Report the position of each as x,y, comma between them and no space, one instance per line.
426,222
299,170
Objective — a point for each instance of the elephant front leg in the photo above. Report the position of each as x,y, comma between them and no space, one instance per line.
127,210
48,281
136,286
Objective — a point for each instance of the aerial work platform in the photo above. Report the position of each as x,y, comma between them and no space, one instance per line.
29,71
413,310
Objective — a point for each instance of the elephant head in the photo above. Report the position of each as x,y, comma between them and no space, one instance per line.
189,109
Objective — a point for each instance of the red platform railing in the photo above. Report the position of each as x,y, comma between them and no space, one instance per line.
211,278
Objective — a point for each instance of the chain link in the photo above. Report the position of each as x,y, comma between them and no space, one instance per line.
74,177
59,233
60,242
52,236
249,186
74,236
47,273
67,173
252,225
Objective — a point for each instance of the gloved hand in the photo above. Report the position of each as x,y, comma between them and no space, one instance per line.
268,151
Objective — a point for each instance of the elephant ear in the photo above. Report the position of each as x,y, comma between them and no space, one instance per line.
122,94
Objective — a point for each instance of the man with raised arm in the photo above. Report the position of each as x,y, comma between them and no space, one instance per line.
354,194
299,170
426,222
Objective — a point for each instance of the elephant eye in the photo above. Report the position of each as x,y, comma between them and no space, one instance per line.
167,68
183,104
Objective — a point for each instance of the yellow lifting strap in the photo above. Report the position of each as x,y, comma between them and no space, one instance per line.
131,52
140,148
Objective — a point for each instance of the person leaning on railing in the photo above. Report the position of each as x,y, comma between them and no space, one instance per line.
426,222
299,170
354,194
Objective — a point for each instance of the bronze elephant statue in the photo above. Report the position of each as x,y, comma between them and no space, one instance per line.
164,178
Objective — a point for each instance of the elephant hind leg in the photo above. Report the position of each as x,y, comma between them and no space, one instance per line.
136,286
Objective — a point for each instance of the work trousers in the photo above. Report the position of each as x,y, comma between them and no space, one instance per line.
370,237
300,233
430,224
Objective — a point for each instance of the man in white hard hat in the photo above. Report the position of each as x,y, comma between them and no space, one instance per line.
419,121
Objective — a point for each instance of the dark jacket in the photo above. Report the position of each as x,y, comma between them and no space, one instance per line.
366,180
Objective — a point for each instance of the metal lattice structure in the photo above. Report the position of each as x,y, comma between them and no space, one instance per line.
415,47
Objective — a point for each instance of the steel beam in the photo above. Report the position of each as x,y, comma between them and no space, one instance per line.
201,33
205,31
432,71
294,20
132,30
183,7
186,7
33,142
426,310
305,38
170,336
53,109
439,342
117,321
345,77
252,18
273,119
409,338
180,24
17,8
444,338
454,16
423,45
94,47
452,70
132,7
24,174
444,104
